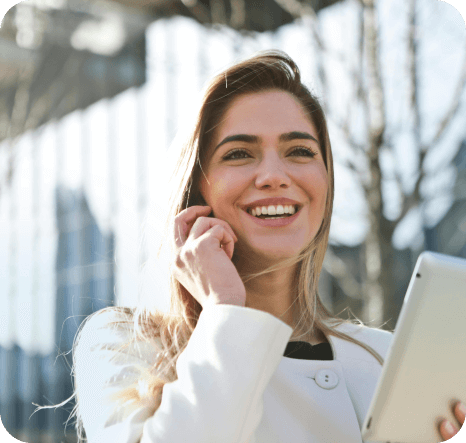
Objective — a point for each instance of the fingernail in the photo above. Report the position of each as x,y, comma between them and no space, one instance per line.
449,428
462,408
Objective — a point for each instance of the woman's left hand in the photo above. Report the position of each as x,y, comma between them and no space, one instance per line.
445,431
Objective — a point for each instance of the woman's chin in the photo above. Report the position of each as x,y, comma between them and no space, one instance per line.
267,255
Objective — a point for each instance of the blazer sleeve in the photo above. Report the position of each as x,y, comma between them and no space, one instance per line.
218,396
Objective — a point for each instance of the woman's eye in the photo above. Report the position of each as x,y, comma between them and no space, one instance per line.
233,155
303,152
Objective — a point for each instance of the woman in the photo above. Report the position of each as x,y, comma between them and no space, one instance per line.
261,360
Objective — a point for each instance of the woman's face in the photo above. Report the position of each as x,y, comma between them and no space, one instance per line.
265,154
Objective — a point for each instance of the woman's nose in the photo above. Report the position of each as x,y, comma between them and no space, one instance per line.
272,175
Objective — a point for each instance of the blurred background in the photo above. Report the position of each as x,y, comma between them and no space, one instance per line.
92,94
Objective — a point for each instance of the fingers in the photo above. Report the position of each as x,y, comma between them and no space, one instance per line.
460,412
185,220
227,242
447,429
219,231
192,222
203,224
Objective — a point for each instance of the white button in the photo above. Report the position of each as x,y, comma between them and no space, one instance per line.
327,379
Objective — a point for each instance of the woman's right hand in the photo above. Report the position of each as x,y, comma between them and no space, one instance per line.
204,248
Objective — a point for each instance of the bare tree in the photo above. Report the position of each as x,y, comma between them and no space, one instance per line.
369,92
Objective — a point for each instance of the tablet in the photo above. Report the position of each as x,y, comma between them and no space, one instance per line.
424,373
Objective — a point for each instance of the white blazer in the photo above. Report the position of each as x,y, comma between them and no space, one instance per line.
234,384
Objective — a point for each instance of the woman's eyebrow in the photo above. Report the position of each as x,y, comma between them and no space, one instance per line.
238,138
297,135
247,138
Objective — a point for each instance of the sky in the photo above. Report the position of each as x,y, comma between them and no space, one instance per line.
141,117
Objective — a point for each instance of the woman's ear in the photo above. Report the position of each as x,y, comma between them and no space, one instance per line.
202,200
198,199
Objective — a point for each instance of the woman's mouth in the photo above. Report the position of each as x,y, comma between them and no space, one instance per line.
276,217
271,212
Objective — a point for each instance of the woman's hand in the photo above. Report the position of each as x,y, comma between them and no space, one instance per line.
204,248
445,431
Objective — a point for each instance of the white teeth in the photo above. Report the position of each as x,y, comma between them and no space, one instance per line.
273,210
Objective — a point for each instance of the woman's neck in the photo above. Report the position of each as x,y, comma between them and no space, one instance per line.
273,293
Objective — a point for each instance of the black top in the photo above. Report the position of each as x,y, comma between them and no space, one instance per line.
305,351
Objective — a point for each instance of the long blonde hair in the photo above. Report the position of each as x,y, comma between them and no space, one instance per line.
269,70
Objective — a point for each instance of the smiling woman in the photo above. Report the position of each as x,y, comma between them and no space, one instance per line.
247,351
268,159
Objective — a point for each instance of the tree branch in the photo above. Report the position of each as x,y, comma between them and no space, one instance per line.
299,10
457,95
414,83
409,202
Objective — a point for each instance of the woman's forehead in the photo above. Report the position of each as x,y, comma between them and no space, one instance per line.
268,113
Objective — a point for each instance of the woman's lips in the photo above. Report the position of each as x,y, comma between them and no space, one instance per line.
274,223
